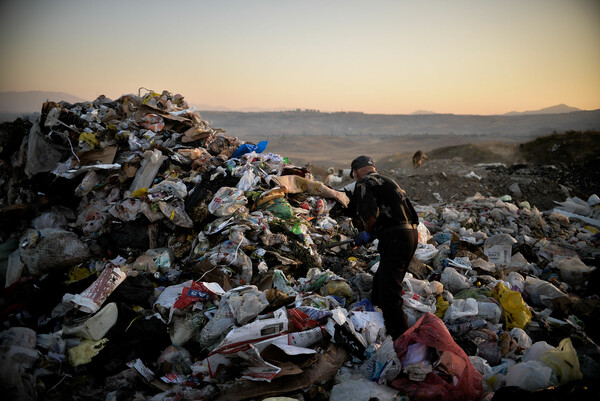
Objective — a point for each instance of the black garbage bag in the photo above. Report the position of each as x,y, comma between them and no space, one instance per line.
135,290
132,337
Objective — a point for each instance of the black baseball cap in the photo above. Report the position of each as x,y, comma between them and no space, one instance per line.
359,162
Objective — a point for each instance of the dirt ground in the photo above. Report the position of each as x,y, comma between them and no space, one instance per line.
540,171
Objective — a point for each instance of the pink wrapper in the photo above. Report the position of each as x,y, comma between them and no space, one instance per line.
94,296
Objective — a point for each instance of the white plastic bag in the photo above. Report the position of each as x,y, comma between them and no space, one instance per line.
522,339
535,352
572,270
461,308
453,281
530,376
490,311
248,181
227,201
424,234
425,252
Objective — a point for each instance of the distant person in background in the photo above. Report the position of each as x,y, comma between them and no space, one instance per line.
418,158
388,215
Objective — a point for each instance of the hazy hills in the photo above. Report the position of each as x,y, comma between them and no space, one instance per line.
255,126
31,102
258,126
559,108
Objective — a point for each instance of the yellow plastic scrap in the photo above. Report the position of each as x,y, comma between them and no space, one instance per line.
339,288
89,138
441,306
172,171
77,273
84,352
592,229
563,361
516,311
150,96
138,193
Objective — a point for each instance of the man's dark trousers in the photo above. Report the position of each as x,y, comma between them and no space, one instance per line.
396,249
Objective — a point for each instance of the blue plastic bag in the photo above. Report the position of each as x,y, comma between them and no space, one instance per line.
247,148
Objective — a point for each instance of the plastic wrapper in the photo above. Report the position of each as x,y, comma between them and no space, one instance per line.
517,281
167,298
370,325
153,159
14,268
197,292
230,254
84,352
248,148
266,325
424,234
281,282
415,301
306,317
338,288
436,287
465,324
279,207
246,303
248,181
218,327
170,187
91,299
384,365
126,210
441,306
421,287
227,201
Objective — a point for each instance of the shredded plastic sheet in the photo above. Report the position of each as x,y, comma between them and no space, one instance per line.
430,331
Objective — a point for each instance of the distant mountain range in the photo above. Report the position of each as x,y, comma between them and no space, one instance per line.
558,109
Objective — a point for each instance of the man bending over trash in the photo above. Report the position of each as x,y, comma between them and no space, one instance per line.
388,215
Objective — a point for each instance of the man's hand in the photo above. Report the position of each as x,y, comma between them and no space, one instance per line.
362,238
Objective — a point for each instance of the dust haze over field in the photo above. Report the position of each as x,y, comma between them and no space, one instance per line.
540,170
338,152
334,139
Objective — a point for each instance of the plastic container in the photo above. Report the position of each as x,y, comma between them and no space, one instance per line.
96,326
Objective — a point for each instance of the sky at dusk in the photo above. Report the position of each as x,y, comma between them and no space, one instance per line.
390,57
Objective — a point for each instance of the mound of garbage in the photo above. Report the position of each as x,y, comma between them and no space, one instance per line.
146,255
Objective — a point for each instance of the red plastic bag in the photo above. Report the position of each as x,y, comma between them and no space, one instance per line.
189,295
431,331
301,320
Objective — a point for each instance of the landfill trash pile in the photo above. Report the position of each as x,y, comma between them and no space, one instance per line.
146,255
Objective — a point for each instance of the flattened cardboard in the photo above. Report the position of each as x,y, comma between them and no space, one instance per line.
97,156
